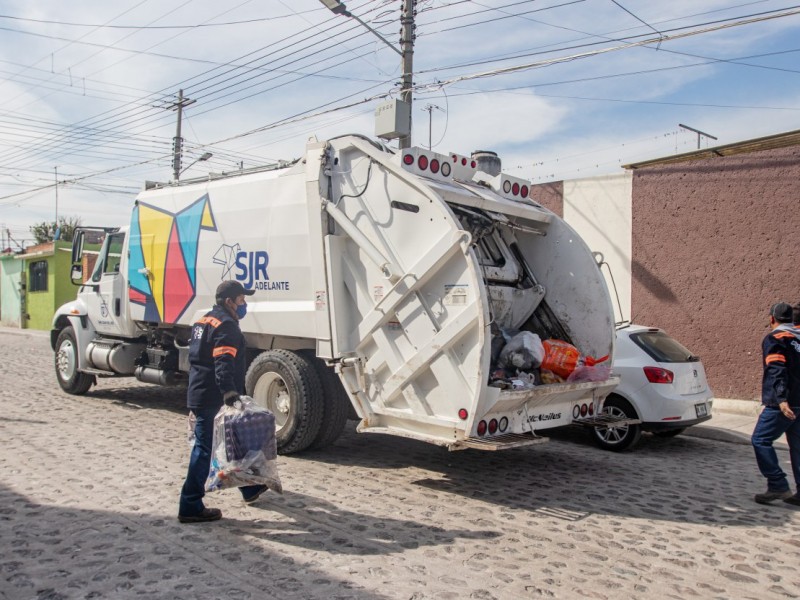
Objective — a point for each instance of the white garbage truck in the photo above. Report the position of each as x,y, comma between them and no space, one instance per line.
387,282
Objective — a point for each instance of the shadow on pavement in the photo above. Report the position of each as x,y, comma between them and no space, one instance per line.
58,552
686,480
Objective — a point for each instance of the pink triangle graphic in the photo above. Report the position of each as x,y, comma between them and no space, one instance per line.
178,290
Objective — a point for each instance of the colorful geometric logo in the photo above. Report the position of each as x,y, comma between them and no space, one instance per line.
162,270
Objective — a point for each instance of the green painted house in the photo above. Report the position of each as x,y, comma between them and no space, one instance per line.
43,277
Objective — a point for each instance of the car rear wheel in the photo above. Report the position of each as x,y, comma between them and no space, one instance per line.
621,437
670,433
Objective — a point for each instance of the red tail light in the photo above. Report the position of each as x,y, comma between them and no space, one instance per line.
422,162
434,166
408,159
515,189
463,414
482,428
658,375
524,191
493,426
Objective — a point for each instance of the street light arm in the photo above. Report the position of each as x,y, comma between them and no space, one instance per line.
338,8
383,39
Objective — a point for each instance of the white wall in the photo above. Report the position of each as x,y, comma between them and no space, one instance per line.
599,209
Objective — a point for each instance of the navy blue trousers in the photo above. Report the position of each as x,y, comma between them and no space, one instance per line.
770,426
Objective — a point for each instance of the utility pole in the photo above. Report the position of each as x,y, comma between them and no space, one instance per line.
429,108
698,132
407,47
178,141
56,172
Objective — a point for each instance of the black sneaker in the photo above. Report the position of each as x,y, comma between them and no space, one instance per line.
256,495
768,496
793,500
208,514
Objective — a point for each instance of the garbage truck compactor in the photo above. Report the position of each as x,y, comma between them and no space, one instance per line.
387,283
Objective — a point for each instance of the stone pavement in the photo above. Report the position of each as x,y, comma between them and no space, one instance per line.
88,500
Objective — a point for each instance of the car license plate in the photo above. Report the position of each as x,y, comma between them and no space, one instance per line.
701,409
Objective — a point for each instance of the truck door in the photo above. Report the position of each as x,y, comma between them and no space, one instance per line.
107,300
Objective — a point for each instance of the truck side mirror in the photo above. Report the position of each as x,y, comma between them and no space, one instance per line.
77,246
76,272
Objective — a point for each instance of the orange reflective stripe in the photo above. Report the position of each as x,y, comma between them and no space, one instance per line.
211,321
783,335
771,358
225,350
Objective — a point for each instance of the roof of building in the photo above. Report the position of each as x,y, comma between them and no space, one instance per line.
770,142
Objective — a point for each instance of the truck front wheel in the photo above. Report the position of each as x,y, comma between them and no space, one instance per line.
287,384
69,378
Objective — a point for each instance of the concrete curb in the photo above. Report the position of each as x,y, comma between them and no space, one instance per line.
737,407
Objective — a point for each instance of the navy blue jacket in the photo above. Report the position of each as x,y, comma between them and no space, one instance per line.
217,359
781,382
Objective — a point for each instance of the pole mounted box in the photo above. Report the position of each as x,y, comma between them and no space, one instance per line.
393,120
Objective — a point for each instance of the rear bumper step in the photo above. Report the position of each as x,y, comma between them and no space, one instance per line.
604,420
499,442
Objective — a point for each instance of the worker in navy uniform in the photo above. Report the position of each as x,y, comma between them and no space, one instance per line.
217,358
780,395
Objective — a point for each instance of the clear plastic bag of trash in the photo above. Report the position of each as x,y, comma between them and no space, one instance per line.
244,450
523,351
585,373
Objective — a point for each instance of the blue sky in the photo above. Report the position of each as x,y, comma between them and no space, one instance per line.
87,86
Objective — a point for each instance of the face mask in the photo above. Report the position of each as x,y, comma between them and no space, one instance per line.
241,310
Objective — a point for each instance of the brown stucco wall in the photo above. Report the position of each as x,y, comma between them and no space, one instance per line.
549,195
715,244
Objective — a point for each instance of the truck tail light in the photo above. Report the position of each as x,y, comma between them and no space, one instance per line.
493,426
658,375
524,191
463,414
482,428
434,165
422,162
503,424
408,159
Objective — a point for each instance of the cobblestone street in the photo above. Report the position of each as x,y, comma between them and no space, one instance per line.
88,504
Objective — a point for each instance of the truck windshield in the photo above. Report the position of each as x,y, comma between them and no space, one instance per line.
663,348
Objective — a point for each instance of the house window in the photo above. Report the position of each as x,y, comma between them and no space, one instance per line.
38,276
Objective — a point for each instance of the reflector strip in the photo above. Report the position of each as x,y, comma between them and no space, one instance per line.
210,321
771,358
225,350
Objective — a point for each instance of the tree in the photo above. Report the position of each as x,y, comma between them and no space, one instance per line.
45,232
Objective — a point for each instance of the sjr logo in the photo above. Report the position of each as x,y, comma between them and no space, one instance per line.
251,267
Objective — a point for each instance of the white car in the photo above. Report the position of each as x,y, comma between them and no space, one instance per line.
662,384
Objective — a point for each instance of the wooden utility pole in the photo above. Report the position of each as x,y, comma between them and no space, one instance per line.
177,146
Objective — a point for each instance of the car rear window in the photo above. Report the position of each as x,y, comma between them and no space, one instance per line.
663,348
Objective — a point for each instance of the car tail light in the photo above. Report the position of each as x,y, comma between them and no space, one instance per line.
463,414
422,162
408,159
482,428
493,426
658,375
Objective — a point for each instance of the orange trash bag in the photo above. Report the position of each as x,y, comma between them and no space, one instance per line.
562,358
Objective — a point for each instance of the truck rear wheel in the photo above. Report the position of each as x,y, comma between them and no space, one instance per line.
336,406
69,378
287,384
